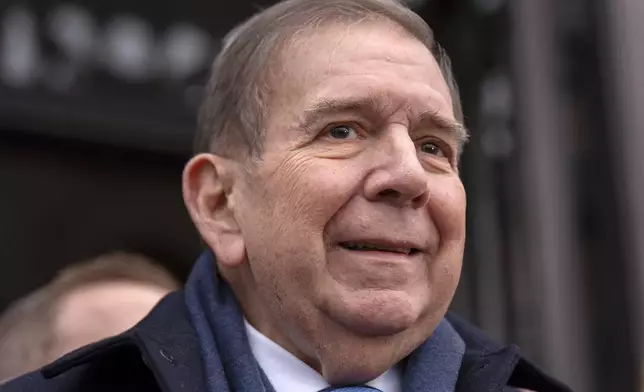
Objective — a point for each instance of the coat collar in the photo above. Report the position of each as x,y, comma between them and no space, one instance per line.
168,344
488,363
166,341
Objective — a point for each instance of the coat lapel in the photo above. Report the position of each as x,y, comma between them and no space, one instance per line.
170,347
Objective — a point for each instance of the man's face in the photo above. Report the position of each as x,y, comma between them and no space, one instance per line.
354,219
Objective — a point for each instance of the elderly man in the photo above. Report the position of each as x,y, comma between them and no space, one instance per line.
326,186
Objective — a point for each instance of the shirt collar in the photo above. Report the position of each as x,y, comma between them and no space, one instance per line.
288,373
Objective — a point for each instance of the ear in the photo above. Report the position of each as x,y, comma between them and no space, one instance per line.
207,185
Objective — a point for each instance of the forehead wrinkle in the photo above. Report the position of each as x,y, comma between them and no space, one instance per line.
378,107
373,105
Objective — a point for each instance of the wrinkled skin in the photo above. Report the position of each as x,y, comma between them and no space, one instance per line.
361,147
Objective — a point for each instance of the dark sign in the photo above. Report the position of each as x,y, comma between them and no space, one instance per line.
117,72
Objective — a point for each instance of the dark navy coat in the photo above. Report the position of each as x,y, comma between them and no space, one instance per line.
162,354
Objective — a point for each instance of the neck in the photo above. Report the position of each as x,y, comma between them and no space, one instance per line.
257,314
341,356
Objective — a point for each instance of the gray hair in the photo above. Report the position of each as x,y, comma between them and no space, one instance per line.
234,109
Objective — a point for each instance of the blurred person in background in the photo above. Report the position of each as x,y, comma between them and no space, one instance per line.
84,303
326,186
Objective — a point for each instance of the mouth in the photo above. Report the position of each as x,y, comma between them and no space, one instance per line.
370,247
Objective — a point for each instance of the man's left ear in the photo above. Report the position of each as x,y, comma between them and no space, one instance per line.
207,185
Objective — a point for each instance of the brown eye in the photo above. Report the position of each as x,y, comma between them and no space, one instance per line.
432,148
342,132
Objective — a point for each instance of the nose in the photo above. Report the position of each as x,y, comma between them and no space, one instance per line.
398,178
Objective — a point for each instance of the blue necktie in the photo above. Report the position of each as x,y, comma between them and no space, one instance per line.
357,388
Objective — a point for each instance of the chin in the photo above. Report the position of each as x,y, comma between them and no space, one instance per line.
376,313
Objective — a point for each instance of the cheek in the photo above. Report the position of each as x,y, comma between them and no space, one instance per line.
447,207
284,229
304,194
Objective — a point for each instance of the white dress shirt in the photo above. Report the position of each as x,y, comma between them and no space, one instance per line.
288,374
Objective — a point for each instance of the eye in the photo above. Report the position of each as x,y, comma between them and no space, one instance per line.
342,132
433,148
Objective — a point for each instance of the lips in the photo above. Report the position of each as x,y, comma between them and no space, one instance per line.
366,246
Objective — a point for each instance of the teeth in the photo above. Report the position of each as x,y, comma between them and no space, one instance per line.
355,246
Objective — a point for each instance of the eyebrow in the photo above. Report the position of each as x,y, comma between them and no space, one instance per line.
373,108
449,125
318,111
